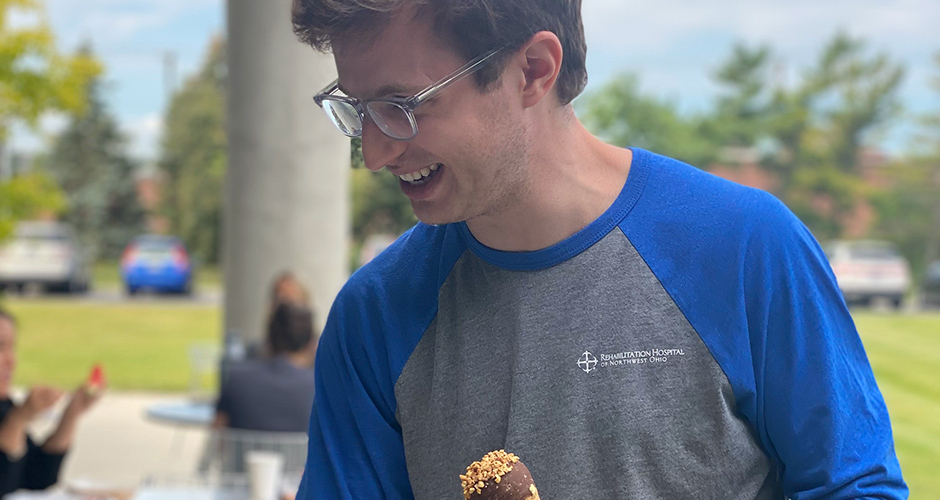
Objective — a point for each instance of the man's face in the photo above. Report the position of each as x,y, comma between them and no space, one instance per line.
472,143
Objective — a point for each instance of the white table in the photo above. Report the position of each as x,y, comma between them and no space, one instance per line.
183,412
191,493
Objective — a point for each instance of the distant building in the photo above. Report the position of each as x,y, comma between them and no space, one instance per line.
149,182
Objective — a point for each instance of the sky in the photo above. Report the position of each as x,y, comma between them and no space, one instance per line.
673,45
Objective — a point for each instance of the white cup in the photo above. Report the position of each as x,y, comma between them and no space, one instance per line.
265,471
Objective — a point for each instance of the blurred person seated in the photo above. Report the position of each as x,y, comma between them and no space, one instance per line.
285,288
273,394
23,463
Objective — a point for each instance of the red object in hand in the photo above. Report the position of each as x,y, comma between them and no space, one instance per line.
96,380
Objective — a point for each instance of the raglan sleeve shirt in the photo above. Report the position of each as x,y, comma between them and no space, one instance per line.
744,271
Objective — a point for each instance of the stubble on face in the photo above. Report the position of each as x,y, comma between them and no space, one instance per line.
495,171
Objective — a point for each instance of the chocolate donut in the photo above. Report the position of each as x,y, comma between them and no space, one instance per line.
498,476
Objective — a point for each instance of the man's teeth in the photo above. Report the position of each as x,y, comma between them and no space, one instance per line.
420,174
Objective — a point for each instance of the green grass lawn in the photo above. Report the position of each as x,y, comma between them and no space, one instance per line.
905,353
143,347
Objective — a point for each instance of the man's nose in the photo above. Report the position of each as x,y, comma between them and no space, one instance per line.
378,149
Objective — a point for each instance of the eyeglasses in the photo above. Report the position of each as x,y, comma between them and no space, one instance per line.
394,116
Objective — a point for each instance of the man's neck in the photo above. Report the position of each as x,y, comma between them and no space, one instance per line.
574,178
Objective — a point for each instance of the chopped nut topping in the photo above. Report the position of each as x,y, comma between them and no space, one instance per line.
494,465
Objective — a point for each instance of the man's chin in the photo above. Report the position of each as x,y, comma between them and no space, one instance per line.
431,216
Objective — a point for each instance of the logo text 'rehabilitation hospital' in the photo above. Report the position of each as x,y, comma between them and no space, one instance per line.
587,362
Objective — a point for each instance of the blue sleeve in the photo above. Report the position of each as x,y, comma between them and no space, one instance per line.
819,411
355,447
753,282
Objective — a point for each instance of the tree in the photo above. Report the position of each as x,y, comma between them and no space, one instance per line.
34,79
89,160
742,110
620,114
847,96
909,212
816,128
193,157
25,197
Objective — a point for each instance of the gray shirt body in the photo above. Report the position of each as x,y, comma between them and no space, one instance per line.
589,372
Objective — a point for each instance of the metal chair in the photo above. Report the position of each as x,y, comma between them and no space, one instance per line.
226,450
204,359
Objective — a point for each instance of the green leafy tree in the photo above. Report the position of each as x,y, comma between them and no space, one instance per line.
822,126
816,128
909,212
741,113
25,197
621,114
34,78
193,157
89,160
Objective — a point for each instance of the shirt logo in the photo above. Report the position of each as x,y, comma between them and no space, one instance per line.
587,362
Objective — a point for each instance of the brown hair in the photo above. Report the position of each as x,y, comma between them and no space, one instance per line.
290,329
472,26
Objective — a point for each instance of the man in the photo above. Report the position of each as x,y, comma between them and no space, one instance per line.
630,326
273,394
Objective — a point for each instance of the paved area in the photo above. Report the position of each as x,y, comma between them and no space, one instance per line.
116,446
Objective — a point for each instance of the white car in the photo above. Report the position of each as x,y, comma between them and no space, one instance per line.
868,270
45,255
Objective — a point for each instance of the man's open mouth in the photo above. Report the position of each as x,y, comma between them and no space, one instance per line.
421,176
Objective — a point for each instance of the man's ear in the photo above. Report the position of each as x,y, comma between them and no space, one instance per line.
541,62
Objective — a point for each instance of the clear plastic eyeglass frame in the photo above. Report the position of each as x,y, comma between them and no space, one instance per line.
394,116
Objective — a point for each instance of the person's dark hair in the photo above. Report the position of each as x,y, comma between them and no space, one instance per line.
290,329
472,26
4,314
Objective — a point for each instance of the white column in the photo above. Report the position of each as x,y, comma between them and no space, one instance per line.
286,194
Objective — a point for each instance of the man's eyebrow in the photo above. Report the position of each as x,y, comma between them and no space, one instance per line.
387,90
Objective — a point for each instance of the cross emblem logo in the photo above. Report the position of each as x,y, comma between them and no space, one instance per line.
587,362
